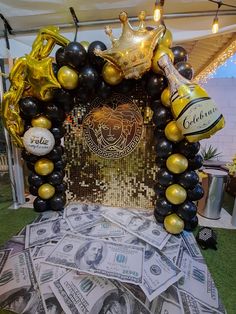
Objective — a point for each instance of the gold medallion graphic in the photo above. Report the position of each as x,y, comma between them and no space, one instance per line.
113,129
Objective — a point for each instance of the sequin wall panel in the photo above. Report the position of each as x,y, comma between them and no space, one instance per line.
126,182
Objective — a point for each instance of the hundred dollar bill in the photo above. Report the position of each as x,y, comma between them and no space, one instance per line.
171,251
42,251
45,231
104,229
3,258
16,244
19,288
191,245
100,257
142,227
79,294
83,221
80,208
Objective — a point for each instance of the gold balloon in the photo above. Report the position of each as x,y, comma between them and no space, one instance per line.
165,97
166,39
85,44
177,163
46,191
111,74
176,194
173,224
44,166
161,51
172,132
41,122
67,77
133,51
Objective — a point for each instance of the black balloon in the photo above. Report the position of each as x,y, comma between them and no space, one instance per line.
64,99
55,68
163,207
196,193
57,202
30,166
164,147
33,190
104,90
164,177
185,69
29,107
88,77
156,83
96,60
195,163
55,154
60,57
155,103
180,54
35,179
158,134
75,55
60,188
60,165
160,162
161,116
159,190
55,113
188,179
58,131
188,149
186,210
29,157
55,178
126,86
190,225
159,218
40,205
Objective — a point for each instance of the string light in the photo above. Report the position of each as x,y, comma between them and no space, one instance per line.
215,25
158,10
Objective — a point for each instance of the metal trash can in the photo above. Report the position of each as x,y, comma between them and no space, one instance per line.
213,184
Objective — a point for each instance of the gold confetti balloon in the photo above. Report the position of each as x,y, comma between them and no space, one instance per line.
44,166
176,194
41,122
172,132
111,74
173,224
177,163
165,97
67,77
161,51
166,39
46,191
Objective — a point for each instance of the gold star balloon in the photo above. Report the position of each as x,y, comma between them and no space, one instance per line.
133,51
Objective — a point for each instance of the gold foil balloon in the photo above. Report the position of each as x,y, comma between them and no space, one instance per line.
172,132
173,224
41,122
133,51
161,51
177,163
111,74
43,166
85,44
176,194
67,77
165,97
166,39
46,191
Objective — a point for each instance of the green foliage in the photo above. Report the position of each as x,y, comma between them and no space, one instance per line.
209,152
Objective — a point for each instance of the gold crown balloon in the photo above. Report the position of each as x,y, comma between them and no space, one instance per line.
133,51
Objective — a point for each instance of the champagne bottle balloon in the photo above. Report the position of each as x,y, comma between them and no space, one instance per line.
195,112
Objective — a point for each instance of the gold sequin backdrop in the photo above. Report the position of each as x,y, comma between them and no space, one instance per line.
126,182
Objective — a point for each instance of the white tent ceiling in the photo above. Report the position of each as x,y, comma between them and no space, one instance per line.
189,20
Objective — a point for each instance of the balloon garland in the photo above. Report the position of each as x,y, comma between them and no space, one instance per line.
83,70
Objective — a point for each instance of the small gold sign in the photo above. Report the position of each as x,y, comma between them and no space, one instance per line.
113,132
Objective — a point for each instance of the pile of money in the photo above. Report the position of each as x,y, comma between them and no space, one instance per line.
97,259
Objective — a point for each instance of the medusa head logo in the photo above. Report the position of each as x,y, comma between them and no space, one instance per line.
113,132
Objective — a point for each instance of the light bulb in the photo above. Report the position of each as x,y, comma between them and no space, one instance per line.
215,25
157,13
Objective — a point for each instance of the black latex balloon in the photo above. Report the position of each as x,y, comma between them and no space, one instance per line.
60,165
30,166
40,205
196,193
160,162
29,106
88,77
55,154
82,95
126,86
57,202
158,133
164,177
164,147
185,69
180,54
159,218
188,149
195,163
35,179
188,179
95,60
55,68
190,225
60,57
55,178
163,207
75,55
155,103
29,157
55,113
186,210
161,116
156,83
60,188
64,99
33,190
159,190
103,90
58,131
